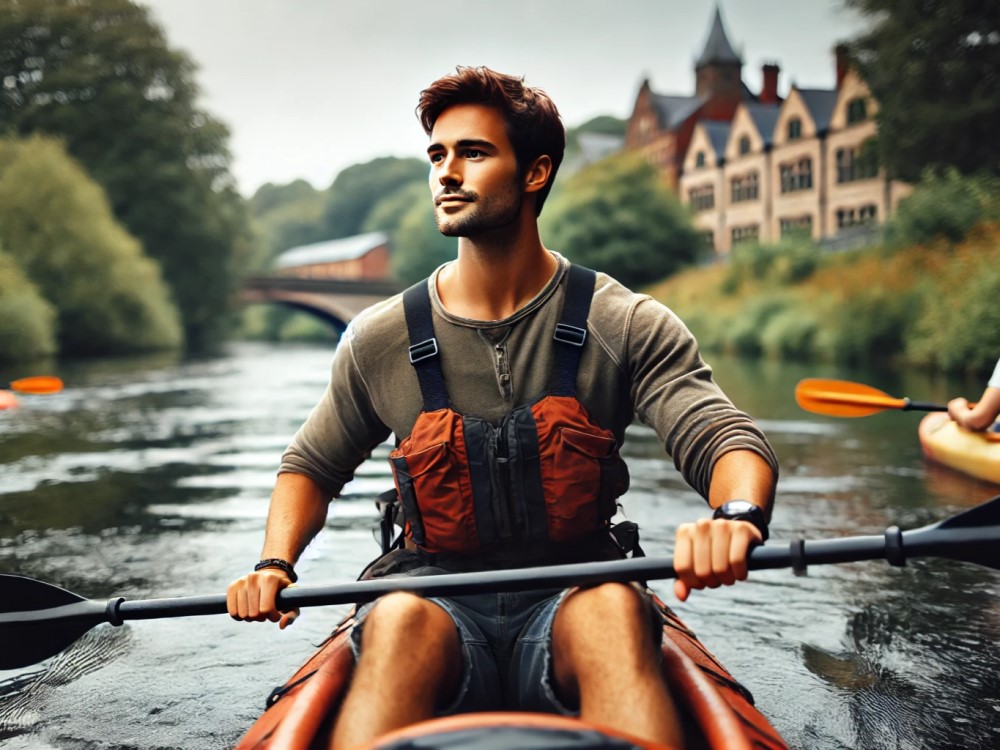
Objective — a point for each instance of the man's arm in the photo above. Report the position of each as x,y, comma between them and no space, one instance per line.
712,553
297,513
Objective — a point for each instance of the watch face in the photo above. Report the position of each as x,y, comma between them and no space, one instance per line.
739,506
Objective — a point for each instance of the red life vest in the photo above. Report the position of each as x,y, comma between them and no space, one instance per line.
544,473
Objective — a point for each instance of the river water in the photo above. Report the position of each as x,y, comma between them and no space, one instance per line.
150,477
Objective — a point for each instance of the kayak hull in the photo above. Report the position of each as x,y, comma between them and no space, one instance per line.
973,453
718,712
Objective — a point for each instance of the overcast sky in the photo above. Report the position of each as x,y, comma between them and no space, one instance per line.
308,87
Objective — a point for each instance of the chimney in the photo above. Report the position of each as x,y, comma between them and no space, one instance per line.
769,90
841,54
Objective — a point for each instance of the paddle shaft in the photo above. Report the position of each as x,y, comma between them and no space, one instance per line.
894,545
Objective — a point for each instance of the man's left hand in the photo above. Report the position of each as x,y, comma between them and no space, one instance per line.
712,553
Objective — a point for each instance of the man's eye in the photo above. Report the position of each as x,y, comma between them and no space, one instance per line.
473,153
435,158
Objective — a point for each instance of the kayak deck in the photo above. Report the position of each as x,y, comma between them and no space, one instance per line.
718,712
973,453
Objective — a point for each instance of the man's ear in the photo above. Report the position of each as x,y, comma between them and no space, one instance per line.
537,175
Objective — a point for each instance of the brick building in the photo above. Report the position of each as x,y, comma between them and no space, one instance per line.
759,167
363,257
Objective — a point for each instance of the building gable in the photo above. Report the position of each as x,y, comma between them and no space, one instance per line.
846,111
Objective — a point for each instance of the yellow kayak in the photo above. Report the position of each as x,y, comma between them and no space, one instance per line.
974,453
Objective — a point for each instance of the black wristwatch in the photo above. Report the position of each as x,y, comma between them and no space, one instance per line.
743,510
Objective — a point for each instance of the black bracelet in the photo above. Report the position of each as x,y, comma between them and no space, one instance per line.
277,562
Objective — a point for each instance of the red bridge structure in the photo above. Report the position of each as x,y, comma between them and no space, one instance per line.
332,280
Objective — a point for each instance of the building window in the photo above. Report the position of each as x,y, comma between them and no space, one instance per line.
794,129
800,226
699,159
745,188
702,198
851,217
797,176
857,111
749,233
744,145
859,163
708,240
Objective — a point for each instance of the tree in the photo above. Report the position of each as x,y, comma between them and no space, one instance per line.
357,189
100,75
56,224
934,68
616,216
27,321
417,245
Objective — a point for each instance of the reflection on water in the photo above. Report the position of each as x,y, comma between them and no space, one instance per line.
150,477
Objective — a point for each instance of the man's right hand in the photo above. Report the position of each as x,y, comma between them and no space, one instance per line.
254,597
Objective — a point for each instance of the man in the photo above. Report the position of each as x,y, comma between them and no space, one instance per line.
509,378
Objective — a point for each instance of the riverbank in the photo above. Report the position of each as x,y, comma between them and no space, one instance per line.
932,306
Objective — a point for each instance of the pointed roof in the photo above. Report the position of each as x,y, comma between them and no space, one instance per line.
820,103
764,117
672,111
717,48
718,134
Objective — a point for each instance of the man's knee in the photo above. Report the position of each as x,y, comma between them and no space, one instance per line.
400,613
610,602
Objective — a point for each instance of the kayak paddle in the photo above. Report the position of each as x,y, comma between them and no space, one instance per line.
842,398
37,384
38,620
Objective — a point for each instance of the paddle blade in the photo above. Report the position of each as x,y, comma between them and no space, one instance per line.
842,398
972,536
39,384
25,639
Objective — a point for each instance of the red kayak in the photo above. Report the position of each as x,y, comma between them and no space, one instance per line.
719,712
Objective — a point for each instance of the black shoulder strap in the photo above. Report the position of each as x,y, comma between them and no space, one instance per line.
571,330
425,354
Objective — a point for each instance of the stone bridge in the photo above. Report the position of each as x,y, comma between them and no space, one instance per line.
336,301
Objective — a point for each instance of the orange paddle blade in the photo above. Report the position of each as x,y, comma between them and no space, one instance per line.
37,384
842,398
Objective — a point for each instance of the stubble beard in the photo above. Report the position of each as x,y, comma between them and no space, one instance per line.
483,215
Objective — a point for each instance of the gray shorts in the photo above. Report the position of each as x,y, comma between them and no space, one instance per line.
506,642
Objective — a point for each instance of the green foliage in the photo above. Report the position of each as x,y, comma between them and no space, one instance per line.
616,216
960,331
932,66
788,261
418,246
387,215
946,204
100,75
27,321
283,217
359,188
56,222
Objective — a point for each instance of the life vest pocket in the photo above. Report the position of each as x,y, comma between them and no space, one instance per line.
580,481
436,497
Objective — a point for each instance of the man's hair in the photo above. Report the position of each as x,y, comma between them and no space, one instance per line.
533,123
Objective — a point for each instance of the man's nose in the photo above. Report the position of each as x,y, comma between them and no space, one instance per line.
448,172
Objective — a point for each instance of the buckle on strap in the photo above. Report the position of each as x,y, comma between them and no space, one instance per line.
571,335
423,350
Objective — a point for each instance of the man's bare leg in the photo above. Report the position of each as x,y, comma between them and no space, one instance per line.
604,654
410,658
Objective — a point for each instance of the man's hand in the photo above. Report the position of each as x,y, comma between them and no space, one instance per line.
254,597
712,553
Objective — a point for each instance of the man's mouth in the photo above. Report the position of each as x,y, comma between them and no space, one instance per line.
443,198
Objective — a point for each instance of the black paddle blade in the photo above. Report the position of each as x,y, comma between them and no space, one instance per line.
971,536
38,620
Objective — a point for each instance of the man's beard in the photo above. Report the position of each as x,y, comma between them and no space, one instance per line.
483,214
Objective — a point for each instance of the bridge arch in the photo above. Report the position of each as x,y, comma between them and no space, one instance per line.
335,301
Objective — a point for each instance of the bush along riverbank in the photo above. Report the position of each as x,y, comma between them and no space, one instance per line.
934,305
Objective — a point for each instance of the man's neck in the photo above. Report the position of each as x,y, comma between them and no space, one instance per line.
496,274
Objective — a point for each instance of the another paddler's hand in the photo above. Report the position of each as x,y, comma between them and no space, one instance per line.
712,553
254,597
958,410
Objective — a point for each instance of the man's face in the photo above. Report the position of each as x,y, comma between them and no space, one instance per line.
475,180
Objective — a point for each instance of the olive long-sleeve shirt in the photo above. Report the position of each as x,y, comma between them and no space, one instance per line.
639,360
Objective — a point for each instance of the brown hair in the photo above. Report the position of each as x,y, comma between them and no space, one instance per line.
533,123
